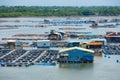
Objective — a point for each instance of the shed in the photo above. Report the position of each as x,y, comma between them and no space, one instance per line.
43,44
11,44
73,44
103,40
113,37
94,45
55,35
76,55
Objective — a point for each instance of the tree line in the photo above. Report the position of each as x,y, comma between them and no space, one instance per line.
18,11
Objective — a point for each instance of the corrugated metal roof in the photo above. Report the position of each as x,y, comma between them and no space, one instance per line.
98,39
95,43
43,41
11,40
79,48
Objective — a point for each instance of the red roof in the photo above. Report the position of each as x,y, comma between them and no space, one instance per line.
113,35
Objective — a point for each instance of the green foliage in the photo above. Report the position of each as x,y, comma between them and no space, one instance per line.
18,11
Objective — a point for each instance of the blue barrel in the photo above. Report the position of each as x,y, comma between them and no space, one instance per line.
2,64
117,61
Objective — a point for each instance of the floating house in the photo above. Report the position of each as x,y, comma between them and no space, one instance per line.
55,35
18,45
43,44
113,37
94,45
103,40
76,55
3,45
11,44
73,44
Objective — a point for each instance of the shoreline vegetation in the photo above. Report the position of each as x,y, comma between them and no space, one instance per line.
39,11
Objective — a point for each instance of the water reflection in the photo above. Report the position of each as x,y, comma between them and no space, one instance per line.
76,66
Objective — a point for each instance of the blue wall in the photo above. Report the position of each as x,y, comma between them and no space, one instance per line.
77,55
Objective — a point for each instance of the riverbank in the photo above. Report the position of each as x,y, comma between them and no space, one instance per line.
17,11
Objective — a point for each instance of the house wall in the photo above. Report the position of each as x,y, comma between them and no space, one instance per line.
78,55
113,40
43,44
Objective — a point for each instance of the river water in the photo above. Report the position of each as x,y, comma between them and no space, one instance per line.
103,68
37,21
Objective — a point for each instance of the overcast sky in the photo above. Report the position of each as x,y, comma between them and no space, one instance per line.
60,2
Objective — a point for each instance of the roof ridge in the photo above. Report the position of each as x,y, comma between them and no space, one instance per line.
79,48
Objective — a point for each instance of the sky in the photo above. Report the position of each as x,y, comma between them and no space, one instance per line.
59,2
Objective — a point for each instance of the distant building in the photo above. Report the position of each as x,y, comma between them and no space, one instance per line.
14,44
94,45
55,35
113,37
73,44
3,45
18,45
46,21
11,44
76,55
103,40
43,44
